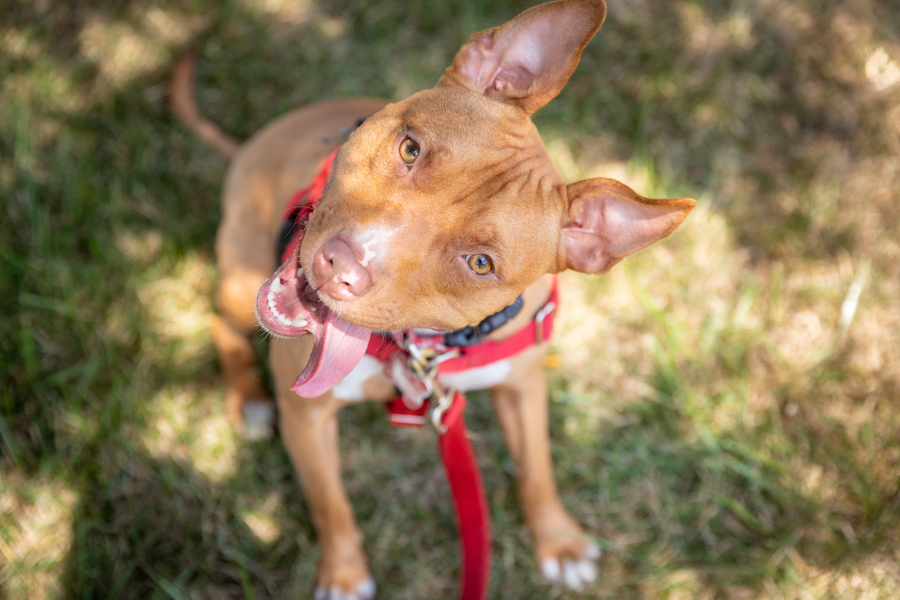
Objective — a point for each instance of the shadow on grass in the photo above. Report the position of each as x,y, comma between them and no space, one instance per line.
148,525
106,249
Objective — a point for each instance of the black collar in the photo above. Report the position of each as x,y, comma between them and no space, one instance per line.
468,336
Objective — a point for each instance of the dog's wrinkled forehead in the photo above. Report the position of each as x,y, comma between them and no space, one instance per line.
478,164
455,131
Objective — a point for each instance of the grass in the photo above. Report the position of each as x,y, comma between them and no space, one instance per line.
724,413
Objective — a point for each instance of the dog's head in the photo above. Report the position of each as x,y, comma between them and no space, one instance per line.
443,207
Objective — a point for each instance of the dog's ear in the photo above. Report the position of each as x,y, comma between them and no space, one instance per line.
527,61
606,221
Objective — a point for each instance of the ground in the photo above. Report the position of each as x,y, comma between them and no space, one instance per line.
723,405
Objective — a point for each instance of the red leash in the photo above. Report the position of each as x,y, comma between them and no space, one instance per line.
472,514
472,517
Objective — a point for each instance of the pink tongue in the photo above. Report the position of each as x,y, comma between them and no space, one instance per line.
338,348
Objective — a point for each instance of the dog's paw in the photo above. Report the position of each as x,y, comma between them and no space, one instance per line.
257,419
574,572
365,590
346,582
565,553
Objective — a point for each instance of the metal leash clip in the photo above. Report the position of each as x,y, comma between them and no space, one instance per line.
423,362
444,402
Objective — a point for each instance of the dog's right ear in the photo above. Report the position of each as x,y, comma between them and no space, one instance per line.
527,61
607,220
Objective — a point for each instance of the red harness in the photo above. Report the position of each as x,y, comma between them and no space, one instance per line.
399,350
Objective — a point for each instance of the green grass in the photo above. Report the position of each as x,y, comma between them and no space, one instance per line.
720,426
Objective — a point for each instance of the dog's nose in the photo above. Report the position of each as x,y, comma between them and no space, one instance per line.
338,271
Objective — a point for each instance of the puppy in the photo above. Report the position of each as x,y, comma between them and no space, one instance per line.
440,211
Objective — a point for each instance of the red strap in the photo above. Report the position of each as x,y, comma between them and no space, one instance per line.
304,203
485,353
472,515
401,415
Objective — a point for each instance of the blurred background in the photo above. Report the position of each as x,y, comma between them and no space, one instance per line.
723,404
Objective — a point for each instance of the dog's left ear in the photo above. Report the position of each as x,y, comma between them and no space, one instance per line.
527,61
606,221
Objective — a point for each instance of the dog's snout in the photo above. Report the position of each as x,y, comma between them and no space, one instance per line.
339,273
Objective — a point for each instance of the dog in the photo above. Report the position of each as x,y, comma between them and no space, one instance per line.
440,210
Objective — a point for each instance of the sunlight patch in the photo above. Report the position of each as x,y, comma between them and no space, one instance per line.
637,177
178,308
290,12
881,70
37,546
260,521
138,246
561,155
191,425
123,52
877,577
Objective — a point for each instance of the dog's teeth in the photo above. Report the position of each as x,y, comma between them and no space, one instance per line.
294,281
276,285
298,322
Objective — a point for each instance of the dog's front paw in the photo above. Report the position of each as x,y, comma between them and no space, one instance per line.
257,419
565,553
344,581
575,570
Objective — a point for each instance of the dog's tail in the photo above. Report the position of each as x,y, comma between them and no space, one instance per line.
181,100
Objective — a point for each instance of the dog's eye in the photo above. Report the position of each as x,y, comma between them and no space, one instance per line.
481,264
409,151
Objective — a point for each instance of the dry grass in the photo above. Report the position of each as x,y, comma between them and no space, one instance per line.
724,404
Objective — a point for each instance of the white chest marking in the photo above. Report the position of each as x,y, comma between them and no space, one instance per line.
478,378
350,388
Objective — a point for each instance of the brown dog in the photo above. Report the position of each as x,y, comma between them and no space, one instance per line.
440,210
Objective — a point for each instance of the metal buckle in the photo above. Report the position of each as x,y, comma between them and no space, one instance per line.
444,402
423,363
539,321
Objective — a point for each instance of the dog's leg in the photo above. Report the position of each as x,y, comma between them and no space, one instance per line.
309,428
248,404
563,550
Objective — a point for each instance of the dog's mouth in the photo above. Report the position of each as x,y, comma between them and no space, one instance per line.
288,306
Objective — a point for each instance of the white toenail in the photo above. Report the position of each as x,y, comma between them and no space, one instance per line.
593,552
570,575
366,588
587,571
335,593
321,594
550,569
